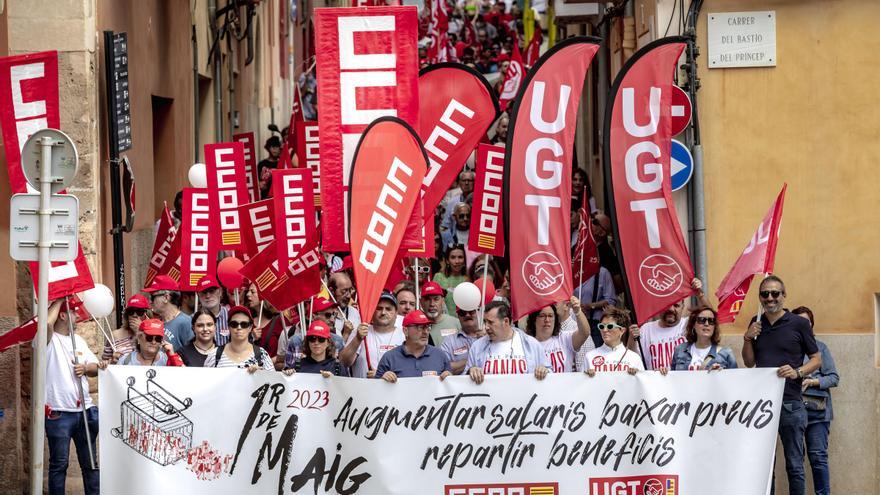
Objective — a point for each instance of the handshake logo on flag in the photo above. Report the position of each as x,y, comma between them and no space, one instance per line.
660,275
543,272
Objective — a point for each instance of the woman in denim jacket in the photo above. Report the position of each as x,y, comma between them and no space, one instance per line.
817,399
701,351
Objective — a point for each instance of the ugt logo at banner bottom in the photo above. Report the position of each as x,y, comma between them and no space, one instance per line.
223,431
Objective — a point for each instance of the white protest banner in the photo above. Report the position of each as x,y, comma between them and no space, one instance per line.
223,431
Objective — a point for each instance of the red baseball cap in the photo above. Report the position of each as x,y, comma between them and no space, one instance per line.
207,282
239,309
415,317
433,289
137,301
322,304
152,326
318,329
162,282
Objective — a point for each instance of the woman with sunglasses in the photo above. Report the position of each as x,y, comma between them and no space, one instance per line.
136,311
151,348
454,272
613,355
560,347
319,354
701,351
239,352
204,326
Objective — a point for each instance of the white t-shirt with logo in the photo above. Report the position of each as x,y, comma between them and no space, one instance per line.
62,393
658,343
375,345
506,358
697,357
620,358
560,352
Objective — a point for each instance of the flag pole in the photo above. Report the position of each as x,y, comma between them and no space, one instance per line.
416,273
71,326
260,316
483,290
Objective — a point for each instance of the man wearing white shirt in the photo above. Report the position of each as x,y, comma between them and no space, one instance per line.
366,346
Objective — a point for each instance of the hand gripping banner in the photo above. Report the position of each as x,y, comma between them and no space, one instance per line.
638,123
367,65
538,176
28,103
227,189
388,169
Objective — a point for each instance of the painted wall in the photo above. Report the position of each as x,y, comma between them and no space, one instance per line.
811,121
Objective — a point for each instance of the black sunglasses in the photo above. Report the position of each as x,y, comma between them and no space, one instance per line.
705,320
770,293
156,339
239,324
314,338
136,312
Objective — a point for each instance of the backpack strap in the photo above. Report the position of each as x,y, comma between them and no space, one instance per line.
218,354
258,355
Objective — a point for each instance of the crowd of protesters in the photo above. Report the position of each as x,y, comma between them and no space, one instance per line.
418,331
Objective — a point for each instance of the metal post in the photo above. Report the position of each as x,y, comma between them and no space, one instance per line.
115,189
416,278
38,389
71,326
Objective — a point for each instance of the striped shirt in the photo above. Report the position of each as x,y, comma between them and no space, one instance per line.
221,335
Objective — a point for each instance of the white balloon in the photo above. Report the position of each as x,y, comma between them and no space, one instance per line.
98,301
198,175
466,296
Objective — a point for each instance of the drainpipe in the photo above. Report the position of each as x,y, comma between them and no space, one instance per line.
195,50
218,73
697,197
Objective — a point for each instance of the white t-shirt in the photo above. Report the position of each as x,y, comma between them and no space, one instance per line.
352,314
697,357
62,393
658,343
506,358
560,352
377,344
619,358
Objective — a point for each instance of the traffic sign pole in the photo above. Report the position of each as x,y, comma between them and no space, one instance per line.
38,389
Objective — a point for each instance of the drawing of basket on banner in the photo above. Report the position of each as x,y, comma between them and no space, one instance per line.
153,423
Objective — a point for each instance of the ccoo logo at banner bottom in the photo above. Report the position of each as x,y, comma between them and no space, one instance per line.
657,484
503,489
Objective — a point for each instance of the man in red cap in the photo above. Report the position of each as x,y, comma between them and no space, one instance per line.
365,347
211,298
165,301
433,304
415,357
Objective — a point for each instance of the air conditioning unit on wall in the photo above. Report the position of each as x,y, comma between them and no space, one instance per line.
566,10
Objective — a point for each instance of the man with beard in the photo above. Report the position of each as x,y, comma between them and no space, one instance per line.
660,337
342,289
505,350
458,346
433,302
782,340
365,347
415,357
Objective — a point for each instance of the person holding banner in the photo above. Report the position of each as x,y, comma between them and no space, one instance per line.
198,349
239,352
210,296
64,409
560,348
124,337
433,303
505,350
151,348
318,356
782,340
165,302
457,347
369,343
415,357
701,351
613,355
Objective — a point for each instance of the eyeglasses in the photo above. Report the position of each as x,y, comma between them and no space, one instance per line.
156,339
140,313
705,320
462,312
463,215
329,315
765,294
608,326
157,295
235,324
313,338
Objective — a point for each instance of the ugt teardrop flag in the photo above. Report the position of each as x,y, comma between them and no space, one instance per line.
638,123
387,172
538,176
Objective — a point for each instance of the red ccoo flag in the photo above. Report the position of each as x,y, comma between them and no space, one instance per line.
757,257
161,246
